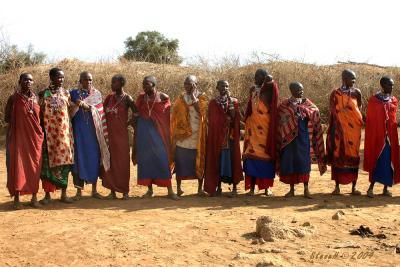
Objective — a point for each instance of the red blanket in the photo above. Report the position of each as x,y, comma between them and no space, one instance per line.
217,126
160,115
25,138
273,108
117,177
381,122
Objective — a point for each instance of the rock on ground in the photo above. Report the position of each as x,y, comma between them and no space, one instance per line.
271,229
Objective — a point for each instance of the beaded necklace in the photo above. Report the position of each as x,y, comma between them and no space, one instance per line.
154,101
347,91
56,101
114,108
28,100
295,102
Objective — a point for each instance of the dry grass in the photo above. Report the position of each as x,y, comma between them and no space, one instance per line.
317,80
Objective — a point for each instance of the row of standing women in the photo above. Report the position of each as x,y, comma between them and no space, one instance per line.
58,131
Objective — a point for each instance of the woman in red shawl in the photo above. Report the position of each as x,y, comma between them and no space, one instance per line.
24,142
151,149
381,152
116,105
223,162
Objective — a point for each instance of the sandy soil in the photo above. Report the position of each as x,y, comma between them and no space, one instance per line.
199,231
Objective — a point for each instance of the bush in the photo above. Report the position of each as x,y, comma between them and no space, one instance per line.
152,46
11,57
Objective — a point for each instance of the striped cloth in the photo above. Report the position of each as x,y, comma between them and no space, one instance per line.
288,129
99,107
99,119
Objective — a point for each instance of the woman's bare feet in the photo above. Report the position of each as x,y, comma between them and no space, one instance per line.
201,193
66,200
218,193
290,193
268,192
355,192
96,195
112,195
370,193
250,193
179,192
17,205
34,203
336,192
233,194
78,194
386,193
148,194
173,196
307,193
46,200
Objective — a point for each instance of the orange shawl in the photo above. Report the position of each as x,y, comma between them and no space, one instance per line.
181,129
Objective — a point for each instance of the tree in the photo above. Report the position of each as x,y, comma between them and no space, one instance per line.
11,57
152,46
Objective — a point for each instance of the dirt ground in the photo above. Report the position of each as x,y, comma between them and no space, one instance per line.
199,231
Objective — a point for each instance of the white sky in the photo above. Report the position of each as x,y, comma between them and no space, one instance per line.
315,31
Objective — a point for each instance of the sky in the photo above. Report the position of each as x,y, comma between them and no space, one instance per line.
312,31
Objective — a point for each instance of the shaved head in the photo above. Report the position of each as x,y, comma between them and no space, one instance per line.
259,76
261,72
191,79
387,84
83,75
348,74
151,79
221,82
296,89
386,80
295,86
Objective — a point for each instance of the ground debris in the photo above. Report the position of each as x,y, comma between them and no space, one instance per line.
267,250
348,244
267,262
272,229
365,231
338,215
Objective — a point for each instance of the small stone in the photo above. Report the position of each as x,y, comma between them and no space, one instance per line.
262,241
302,252
398,248
265,262
306,224
338,215
241,256
254,242
348,244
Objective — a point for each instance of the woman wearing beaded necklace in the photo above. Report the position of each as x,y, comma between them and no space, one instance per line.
116,105
90,135
24,142
58,146
299,141
189,128
344,133
151,149
223,158
381,150
259,153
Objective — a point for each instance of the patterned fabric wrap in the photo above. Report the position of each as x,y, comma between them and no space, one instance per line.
288,129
